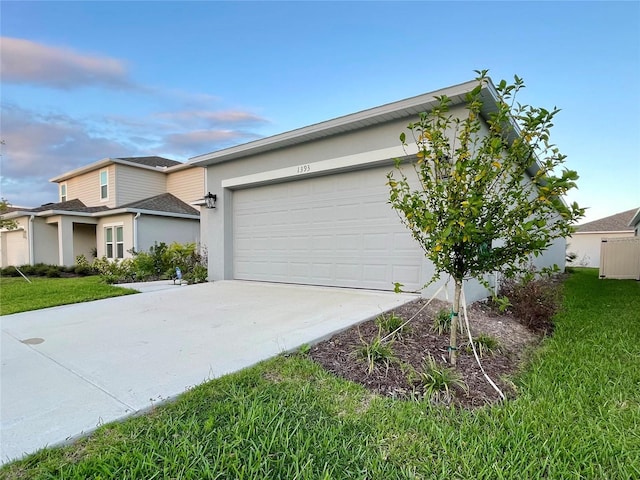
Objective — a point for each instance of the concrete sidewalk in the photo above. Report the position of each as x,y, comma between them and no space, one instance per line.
66,370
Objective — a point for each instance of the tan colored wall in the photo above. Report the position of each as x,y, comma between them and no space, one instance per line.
133,184
84,240
126,221
187,185
86,188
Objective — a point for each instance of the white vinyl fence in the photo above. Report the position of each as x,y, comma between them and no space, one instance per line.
620,258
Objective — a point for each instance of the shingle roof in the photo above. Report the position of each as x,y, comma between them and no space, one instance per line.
163,203
151,161
614,223
74,205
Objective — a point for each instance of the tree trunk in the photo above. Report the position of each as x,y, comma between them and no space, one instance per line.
455,311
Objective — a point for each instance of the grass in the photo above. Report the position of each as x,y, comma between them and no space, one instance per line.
17,295
577,417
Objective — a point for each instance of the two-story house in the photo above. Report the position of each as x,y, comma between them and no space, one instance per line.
108,208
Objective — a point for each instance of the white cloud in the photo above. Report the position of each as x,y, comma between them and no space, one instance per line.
213,118
41,145
27,62
202,141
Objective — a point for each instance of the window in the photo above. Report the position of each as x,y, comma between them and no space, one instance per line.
109,240
119,242
63,192
111,234
104,185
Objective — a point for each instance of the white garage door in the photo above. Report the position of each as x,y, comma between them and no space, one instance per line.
336,230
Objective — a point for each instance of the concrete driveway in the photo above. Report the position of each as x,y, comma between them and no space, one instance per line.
67,370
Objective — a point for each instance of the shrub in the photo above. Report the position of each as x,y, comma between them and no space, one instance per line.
114,271
442,322
533,300
53,272
83,270
437,381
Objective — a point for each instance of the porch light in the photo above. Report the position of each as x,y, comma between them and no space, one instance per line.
210,200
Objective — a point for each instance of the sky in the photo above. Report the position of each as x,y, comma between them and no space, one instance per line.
83,81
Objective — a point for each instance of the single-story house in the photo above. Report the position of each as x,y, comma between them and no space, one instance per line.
310,206
586,240
108,208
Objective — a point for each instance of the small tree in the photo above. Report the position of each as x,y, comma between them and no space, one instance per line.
473,210
7,224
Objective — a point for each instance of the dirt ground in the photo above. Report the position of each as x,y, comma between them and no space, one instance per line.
340,356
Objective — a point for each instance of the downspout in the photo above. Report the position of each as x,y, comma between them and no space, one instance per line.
31,259
135,231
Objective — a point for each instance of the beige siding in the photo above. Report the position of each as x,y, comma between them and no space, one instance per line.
133,184
86,188
187,185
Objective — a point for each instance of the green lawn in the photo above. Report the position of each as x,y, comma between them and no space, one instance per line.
17,295
577,417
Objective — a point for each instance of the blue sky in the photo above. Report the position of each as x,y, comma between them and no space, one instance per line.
82,81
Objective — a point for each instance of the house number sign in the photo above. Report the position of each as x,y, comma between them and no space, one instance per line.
306,168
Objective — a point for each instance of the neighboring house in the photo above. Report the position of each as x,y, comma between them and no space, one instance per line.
635,223
108,207
585,242
311,206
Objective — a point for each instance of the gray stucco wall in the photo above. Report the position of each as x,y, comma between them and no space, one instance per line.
45,242
153,229
217,224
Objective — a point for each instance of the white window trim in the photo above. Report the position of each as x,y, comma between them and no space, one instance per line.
114,241
63,185
105,170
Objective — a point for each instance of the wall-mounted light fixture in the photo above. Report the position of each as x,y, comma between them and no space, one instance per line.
210,200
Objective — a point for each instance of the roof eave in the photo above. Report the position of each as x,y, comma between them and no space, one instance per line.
635,220
120,211
79,171
354,121
600,232
108,161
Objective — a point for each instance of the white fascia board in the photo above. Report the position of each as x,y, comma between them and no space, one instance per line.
16,214
108,161
635,220
602,232
79,171
119,211
49,213
322,167
402,108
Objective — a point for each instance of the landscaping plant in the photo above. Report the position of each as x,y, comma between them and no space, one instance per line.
437,381
442,321
392,324
473,211
376,351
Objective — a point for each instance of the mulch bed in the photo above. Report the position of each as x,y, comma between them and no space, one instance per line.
339,354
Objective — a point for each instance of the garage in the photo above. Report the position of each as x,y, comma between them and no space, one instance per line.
333,230
309,206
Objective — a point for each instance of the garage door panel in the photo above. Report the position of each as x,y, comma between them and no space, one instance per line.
334,230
